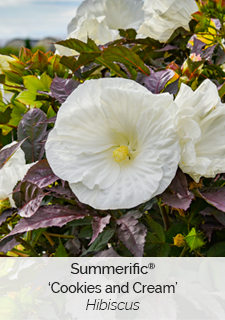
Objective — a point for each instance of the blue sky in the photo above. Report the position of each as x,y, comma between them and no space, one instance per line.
35,18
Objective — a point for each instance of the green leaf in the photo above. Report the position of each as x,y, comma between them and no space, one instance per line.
125,56
101,240
151,240
5,116
156,228
33,84
81,222
18,67
84,59
61,251
194,239
164,250
222,91
86,232
112,66
13,77
39,61
55,67
2,78
46,81
27,97
18,110
93,45
79,46
25,54
217,250
129,33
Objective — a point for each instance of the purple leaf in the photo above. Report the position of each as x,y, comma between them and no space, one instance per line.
197,47
168,47
73,246
214,220
208,52
62,88
98,225
132,233
48,216
172,87
50,120
7,153
215,197
40,174
8,243
108,253
28,197
156,81
218,215
181,197
33,129
217,23
61,192
7,213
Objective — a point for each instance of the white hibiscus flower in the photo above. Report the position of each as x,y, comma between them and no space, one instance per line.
201,128
4,62
4,65
13,171
115,143
163,17
101,19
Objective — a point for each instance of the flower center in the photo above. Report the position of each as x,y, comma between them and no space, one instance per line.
120,153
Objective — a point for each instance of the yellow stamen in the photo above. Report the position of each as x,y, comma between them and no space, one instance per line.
120,153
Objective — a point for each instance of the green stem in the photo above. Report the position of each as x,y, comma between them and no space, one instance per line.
28,247
183,252
164,215
60,236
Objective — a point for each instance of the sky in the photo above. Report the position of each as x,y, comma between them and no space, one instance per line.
35,19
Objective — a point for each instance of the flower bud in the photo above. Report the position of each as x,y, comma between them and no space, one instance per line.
179,240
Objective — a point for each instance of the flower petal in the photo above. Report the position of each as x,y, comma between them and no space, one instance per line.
136,184
202,153
97,169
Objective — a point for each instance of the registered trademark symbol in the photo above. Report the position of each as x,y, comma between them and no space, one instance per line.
151,266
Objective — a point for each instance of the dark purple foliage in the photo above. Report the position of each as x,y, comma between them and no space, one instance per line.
132,233
62,88
6,154
98,224
8,243
61,192
168,47
172,87
178,196
7,213
157,81
214,220
41,174
28,198
33,129
48,216
107,253
215,197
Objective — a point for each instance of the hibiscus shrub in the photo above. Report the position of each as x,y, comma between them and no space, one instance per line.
59,192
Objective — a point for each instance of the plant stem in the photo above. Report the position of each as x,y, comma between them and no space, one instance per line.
49,238
164,215
19,253
60,235
183,252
